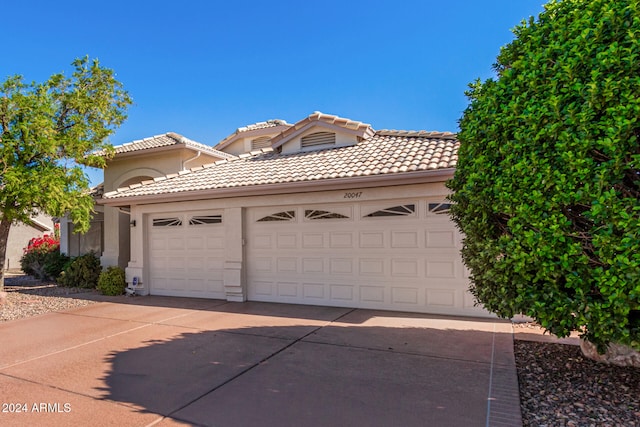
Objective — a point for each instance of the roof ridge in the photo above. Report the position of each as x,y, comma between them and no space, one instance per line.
416,133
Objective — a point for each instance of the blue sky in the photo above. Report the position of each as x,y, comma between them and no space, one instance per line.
205,68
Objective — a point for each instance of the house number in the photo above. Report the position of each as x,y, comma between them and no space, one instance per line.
353,195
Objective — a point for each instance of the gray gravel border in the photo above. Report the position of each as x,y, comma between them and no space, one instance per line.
26,296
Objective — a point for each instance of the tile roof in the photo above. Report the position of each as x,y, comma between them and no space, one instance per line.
263,125
166,140
384,154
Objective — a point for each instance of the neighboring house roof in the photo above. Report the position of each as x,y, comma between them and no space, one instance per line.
39,225
167,140
382,157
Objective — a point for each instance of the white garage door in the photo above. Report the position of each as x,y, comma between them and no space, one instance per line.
186,254
397,255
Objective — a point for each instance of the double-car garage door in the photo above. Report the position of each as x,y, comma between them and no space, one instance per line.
395,254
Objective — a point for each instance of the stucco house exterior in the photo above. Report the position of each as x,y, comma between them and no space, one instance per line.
324,211
19,236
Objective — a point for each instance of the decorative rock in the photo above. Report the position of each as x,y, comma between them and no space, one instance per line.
616,354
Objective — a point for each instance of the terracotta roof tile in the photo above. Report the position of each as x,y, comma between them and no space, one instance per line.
166,140
263,125
384,153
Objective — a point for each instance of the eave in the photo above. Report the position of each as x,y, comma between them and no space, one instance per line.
383,180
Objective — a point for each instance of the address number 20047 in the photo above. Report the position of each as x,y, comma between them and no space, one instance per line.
353,195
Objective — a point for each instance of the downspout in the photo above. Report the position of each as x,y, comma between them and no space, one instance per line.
184,163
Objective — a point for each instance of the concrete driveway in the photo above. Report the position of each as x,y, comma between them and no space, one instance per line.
175,361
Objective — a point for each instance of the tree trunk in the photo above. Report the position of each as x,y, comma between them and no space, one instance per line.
5,226
616,354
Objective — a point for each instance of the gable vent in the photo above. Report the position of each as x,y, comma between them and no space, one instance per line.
318,138
261,142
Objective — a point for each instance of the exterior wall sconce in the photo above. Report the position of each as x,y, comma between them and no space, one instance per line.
133,223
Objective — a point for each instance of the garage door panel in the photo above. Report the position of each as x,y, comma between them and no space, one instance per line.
372,239
401,295
287,265
313,290
441,297
397,255
312,240
287,289
287,241
404,239
341,240
262,288
312,265
404,267
441,239
342,292
372,266
373,294
441,269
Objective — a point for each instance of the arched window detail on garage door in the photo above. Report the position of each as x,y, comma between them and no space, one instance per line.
167,222
279,216
318,214
400,210
439,208
205,219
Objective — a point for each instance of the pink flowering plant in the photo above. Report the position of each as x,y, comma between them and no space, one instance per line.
42,258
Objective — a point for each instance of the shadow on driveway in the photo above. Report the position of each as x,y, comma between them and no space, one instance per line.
333,375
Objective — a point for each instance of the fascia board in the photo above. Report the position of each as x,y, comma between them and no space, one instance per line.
407,178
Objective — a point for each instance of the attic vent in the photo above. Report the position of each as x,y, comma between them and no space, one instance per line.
318,138
261,142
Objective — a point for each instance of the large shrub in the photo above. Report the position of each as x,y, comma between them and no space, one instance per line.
547,188
42,258
112,281
82,272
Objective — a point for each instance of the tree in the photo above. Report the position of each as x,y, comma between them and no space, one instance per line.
49,130
547,188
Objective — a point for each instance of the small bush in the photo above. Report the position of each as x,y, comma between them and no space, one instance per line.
112,281
42,258
82,272
54,264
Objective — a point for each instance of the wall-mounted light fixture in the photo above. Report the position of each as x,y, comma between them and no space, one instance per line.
133,223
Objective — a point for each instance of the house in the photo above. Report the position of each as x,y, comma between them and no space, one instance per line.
19,236
324,211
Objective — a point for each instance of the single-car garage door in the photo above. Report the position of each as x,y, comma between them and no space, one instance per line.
394,254
186,254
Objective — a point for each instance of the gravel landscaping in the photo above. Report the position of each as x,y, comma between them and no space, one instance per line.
558,386
26,297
